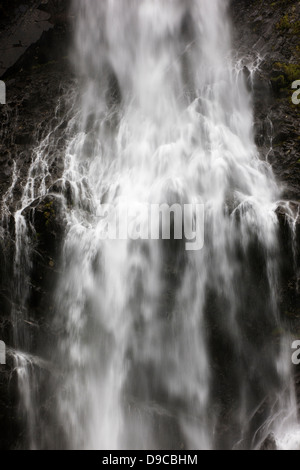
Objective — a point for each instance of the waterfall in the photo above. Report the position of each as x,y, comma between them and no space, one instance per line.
160,347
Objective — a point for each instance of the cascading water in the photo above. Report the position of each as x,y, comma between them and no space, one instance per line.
160,347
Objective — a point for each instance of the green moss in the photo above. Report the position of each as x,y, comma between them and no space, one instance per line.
291,71
289,23
39,66
49,212
289,314
279,81
277,332
282,2
284,23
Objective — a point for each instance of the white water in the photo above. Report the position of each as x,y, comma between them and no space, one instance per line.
162,348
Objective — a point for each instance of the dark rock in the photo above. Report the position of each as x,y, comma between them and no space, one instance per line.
269,443
45,217
272,33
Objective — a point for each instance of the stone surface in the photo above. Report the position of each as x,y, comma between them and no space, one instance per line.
15,40
269,443
269,32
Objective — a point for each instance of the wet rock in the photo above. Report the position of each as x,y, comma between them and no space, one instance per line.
9,419
47,226
25,30
45,216
269,443
272,34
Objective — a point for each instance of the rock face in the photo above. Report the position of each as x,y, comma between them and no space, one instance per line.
269,443
22,25
269,32
37,74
